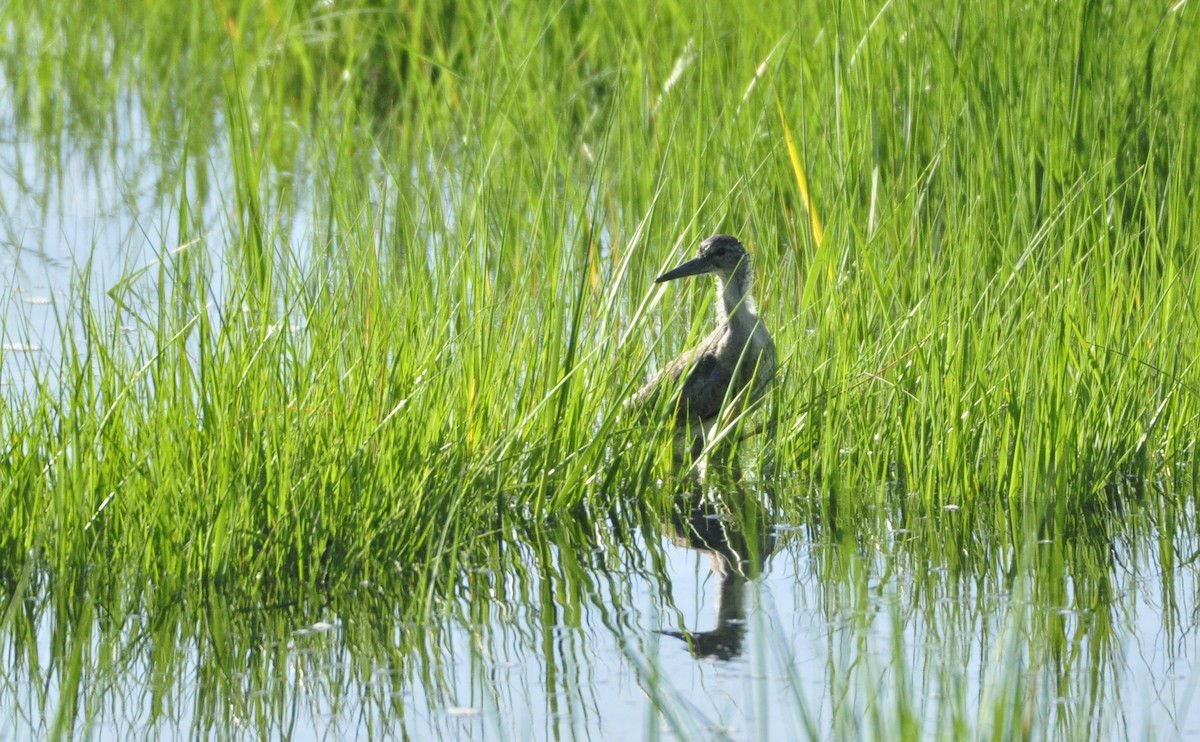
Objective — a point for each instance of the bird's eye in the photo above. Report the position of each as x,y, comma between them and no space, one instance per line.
721,250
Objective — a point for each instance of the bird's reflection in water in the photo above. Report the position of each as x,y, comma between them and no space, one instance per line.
734,530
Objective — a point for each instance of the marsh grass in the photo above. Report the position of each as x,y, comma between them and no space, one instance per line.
408,324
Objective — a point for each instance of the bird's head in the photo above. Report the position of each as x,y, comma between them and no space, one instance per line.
719,254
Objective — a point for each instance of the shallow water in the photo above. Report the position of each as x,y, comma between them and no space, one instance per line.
574,634
73,211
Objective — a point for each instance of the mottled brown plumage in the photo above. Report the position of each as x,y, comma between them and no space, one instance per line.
735,363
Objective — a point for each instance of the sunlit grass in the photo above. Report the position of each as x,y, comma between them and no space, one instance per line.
426,291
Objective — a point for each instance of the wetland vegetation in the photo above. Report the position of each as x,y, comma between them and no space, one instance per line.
320,316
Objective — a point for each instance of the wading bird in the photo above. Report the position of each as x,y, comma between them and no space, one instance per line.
732,367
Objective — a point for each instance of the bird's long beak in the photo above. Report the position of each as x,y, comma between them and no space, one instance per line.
693,267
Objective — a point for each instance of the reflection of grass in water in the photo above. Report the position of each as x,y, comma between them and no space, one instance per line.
906,649
997,325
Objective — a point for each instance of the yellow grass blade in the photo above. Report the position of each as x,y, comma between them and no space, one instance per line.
818,232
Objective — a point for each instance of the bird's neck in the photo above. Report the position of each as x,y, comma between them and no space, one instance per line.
737,305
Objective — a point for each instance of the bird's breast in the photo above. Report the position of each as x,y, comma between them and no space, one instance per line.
749,351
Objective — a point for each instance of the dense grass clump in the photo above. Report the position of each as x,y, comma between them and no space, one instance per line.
984,295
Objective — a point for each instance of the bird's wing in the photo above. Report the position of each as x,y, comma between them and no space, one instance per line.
692,367
704,389
647,397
